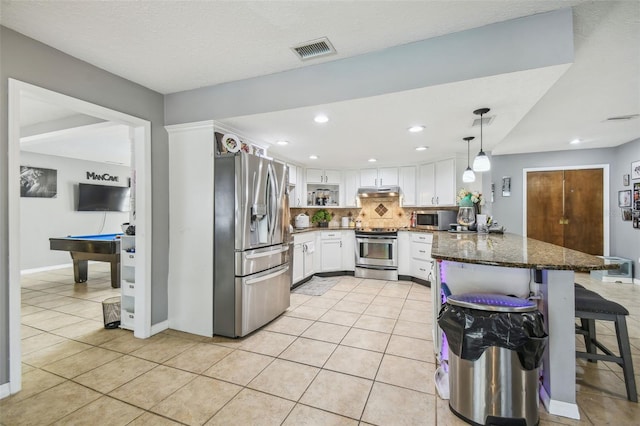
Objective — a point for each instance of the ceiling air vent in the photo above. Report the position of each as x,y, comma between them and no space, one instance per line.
485,121
314,49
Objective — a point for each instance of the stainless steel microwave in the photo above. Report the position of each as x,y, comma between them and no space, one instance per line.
436,220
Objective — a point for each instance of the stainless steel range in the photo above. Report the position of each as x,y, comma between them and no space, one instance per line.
377,253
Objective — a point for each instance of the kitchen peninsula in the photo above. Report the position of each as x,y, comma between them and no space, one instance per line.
513,264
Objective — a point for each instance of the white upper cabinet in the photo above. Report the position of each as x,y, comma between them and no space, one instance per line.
323,176
293,174
407,182
350,189
437,183
379,177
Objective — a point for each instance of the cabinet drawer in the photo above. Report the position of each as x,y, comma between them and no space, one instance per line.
420,251
127,259
127,319
422,237
330,235
421,269
128,288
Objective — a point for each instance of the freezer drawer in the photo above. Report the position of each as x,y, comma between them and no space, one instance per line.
252,261
264,297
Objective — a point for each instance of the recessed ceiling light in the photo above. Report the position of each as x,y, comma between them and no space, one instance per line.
321,118
416,129
313,157
422,148
282,143
372,160
575,142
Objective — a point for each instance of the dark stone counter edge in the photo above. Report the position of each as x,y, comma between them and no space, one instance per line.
575,268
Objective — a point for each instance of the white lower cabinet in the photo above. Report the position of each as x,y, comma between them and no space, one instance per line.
404,255
330,251
420,255
303,256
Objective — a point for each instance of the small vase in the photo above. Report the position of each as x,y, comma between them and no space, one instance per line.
466,216
323,224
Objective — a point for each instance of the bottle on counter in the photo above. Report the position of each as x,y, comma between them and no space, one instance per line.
414,220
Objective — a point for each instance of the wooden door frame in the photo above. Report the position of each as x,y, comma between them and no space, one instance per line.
605,197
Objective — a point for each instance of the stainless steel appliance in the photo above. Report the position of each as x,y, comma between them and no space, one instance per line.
252,247
379,191
436,220
377,253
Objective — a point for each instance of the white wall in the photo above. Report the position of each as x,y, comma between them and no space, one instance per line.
42,218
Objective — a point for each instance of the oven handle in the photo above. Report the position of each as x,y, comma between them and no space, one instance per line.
375,239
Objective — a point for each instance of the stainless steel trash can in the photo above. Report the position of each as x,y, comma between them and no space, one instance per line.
111,312
499,340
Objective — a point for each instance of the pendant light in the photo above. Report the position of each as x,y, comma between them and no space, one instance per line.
481,163
468,175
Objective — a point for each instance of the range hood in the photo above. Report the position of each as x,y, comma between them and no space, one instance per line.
379,191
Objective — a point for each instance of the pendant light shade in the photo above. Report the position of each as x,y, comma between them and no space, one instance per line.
481,163
468,175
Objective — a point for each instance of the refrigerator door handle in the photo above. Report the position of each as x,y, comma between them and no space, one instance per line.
272,200
267,277
267,253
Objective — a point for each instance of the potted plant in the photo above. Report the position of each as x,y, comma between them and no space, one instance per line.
322,218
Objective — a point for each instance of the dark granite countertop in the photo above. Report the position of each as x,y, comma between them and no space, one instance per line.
513,251
317,228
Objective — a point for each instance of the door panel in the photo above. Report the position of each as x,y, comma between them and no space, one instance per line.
583,208
564,207
544,206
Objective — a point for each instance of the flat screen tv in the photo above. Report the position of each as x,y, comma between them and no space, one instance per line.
103,198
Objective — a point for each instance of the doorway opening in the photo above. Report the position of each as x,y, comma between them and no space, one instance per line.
140,136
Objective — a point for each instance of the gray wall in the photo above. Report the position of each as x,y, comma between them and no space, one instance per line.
624,240
36,225
27,60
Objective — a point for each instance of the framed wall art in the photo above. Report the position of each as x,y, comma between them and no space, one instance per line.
625,180
635,170
624,198
36,182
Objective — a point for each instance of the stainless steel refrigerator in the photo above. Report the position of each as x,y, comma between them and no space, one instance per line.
252,247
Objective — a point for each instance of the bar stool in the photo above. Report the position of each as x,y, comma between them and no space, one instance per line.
590,306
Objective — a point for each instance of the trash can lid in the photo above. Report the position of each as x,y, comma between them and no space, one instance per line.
491,302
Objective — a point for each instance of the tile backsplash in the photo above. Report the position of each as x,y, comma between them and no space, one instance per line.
374,213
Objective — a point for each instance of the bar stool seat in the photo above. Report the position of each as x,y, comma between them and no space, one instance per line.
589,307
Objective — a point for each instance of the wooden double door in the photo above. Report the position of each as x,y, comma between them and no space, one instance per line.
565,207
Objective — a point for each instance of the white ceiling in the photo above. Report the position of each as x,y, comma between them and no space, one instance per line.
174,46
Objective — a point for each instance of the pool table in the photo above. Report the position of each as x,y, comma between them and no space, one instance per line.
102,248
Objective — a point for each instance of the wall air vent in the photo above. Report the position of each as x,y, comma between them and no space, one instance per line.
623,117
314,49
485,121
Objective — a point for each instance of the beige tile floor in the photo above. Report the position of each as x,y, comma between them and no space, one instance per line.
360,354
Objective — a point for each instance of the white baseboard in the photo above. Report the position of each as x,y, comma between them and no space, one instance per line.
45,269
5,390
161,326
559,408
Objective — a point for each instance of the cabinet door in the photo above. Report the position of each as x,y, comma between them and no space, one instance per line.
308,263
369,177
331,255
332,176
315,176
350,189
348,251
407,182
388,176
426,185
445,173
298,263
293,175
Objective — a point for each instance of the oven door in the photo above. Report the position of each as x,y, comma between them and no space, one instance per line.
376,251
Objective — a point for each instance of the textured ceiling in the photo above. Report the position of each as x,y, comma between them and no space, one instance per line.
175,46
